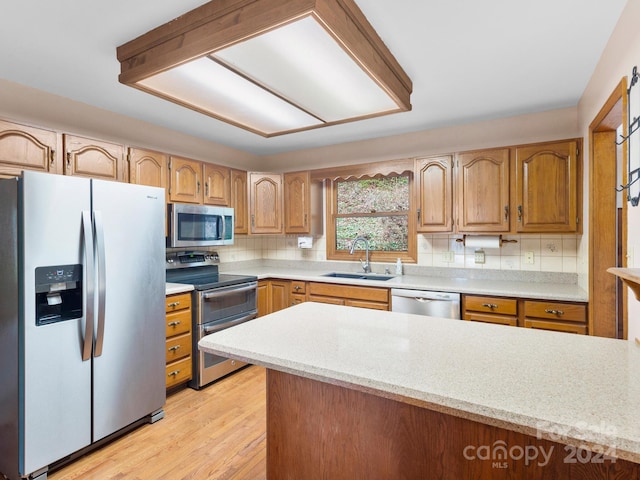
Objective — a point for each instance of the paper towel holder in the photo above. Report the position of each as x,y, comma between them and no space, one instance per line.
502,240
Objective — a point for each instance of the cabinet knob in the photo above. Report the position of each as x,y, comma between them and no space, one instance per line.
554,312
490,305
173,374
297,287
173,324
174,348
173,304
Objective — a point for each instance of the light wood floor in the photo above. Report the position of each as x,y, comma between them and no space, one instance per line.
214,433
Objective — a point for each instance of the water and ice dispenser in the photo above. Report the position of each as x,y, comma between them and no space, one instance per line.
58,293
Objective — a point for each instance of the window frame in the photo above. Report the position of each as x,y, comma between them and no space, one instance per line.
380,256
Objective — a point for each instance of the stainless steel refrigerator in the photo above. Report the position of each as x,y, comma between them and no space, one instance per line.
82,282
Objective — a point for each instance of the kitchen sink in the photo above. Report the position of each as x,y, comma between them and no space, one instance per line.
358,276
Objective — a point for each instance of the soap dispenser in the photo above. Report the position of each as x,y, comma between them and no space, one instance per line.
398,266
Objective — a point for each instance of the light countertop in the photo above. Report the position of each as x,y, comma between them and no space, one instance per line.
573,389
507,288
172,288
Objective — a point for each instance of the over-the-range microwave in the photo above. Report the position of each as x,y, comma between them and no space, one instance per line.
199,225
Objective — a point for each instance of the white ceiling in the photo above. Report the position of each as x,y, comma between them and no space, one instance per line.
469,60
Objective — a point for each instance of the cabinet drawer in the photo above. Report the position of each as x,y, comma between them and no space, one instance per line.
178,322
177,302
567,312
488,318
556,326
178,372
298,287
351,292
297,298
178,347
366,304
331,300
504,306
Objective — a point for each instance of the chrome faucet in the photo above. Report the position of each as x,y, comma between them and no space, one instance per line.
365,265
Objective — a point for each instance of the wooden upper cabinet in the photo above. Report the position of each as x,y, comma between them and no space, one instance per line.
147,167
434,185
265,203
546,187
297,211
87,157
483,191
217,185
28,148
186,180
239,201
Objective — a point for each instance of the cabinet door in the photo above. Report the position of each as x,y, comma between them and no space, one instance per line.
186,180
265,203
279,294
546,187
263,298
297,208
483,191
239,200
86,157
217,185
27,148
435,196
147,168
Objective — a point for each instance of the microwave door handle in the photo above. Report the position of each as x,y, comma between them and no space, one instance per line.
225,291
89,273
224,227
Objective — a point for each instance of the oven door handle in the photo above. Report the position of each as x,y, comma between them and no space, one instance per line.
226,290
222,326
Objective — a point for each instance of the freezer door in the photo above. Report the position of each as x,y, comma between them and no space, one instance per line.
129,362
55,382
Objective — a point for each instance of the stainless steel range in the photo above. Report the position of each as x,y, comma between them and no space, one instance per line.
219,301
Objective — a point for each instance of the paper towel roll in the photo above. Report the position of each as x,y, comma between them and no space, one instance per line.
482,241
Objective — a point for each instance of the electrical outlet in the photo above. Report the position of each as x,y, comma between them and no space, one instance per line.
528,258
449,257
479,256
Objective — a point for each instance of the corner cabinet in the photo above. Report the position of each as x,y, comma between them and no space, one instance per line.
434,188
265,203
28,148
86,157
483,191
546,180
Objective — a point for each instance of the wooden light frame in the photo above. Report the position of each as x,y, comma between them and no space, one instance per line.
221,23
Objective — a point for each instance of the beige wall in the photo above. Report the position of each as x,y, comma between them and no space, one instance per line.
535,127
621,54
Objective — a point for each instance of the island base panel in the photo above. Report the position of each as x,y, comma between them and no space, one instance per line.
318,430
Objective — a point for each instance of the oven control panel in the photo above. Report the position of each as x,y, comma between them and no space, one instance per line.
191,259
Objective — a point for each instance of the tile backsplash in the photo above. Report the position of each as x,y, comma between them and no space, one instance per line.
539,253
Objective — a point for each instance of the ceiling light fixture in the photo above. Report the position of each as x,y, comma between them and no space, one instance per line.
270,66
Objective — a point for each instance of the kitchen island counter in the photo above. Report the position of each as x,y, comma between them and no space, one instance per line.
566,390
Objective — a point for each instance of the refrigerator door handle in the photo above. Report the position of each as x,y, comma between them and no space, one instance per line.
87,229
97,218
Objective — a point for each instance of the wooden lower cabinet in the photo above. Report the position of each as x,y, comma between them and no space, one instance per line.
559,316
178,347
365,297
273,295
298,292
541,314
503,311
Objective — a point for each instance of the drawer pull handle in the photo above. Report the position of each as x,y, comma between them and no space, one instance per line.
173,304
174,324
173,374
554,312
490,305
297,287
174,348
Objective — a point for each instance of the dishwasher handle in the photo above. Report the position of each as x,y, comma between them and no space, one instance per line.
425,295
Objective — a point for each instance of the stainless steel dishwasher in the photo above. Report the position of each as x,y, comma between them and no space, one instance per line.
421,302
